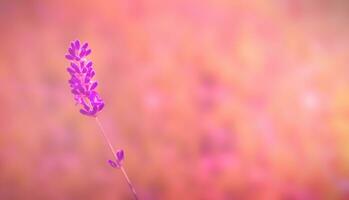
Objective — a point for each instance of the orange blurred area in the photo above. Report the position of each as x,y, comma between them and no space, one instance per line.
210,99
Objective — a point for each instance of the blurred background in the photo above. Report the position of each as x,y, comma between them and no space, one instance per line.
210,99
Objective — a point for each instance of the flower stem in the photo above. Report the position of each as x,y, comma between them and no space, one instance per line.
114,154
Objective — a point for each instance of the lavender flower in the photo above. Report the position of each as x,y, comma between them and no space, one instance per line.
84,91
81,83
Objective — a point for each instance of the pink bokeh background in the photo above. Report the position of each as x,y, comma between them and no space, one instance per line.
210,99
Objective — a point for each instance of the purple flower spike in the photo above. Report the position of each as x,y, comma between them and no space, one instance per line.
81,83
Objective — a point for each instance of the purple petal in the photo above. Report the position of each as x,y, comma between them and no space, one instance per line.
70,70
77,44
112,163
81,89
75,67
82,66
73,80
101,106
82,53
99,99
85,45
85,105
87,79
88,92
92,74
72,45
89,70
94,111
89,64
74,91
84,112
69,57
93,86
88,52
71,51
92,95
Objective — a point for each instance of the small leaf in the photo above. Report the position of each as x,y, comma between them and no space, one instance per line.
113,164
120,155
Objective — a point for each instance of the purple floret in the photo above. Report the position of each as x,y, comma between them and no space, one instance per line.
81,83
